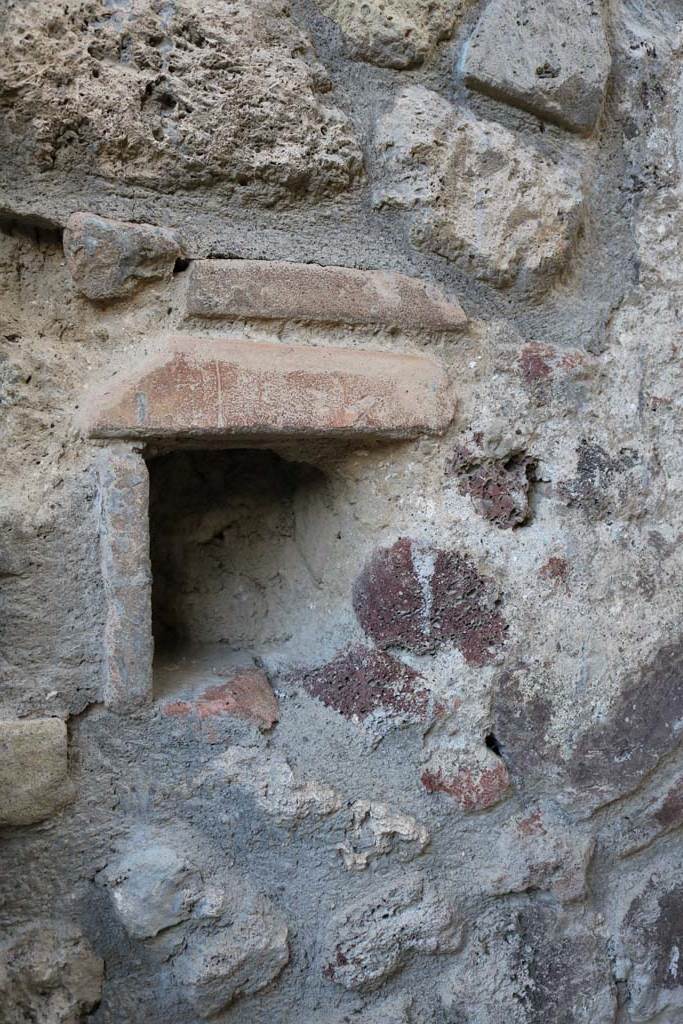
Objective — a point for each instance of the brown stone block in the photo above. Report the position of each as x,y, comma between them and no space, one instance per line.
276,290
210,389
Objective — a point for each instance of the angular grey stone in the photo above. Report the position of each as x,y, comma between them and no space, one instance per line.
48,975
110,258
550,58
152,888
245,953
374,937
33,769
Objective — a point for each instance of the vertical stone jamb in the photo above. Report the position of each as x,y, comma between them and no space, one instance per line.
127,577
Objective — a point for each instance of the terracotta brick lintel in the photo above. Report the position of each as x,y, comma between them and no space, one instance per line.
205,388
277,290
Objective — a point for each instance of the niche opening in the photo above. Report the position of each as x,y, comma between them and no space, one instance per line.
229,580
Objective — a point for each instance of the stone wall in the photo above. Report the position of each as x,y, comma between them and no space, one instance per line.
340,356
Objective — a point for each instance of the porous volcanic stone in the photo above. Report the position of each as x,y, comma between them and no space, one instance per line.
393,33
225,96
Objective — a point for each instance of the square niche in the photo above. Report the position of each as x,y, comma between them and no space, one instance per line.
230,581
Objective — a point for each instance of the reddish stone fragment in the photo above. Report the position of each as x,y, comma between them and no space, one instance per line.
361,680
422,598
475,789
191,387
499,488
535,363
556,569
670,813
248,695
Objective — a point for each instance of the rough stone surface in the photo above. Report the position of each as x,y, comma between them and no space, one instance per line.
274,786
109,259
474,192
550,59
375,937
126,576
49,974
239,959
533,965
152,888
651,939
132,90
376,830
421,598
188,389
272,290
34,780
393,33
465,597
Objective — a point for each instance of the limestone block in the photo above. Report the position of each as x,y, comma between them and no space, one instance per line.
375,936
393,33
49,974
33,769
154,99
276,290
475,193
108,259
246,953
192,388
152,888
126,575
551,59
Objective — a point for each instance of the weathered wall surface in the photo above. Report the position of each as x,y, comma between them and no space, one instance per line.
428,770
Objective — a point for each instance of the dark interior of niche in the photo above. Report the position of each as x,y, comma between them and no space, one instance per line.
228,577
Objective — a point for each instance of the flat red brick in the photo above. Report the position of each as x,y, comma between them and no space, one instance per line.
220,389
276,290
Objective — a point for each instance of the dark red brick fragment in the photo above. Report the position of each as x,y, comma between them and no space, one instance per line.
475,789
422,598
499,488
361,680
